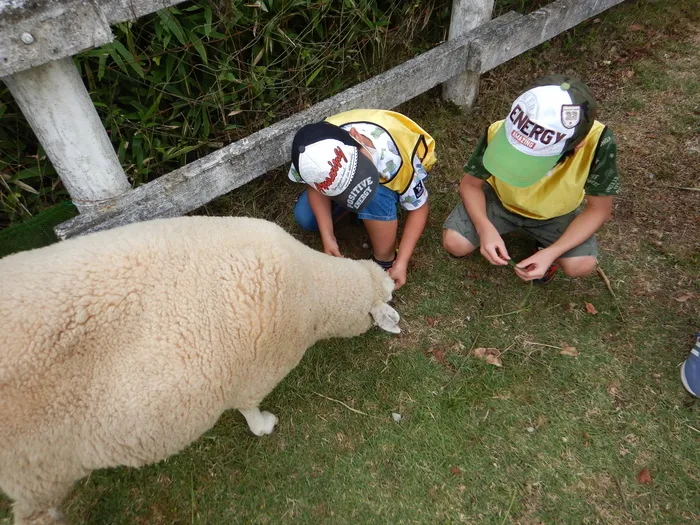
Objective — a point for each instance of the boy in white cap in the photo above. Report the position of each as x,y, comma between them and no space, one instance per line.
365,161
539,164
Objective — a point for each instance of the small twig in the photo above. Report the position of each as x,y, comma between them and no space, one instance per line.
523,304
622,493
461,365
541,344
523,307
693,428
509,506
340,402
606,281
192,497
529,356
681,188
519,310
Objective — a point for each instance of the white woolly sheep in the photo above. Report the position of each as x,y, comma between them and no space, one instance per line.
122,347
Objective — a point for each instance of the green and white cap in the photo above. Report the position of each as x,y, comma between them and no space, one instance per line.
545,122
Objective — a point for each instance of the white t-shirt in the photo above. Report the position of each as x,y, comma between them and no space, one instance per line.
386,158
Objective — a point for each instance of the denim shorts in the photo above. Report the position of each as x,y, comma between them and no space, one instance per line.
382,207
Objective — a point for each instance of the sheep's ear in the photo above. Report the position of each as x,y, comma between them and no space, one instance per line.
386,318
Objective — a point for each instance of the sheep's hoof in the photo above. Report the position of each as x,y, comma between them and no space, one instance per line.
265,424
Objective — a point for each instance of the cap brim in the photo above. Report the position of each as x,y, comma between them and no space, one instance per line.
513,167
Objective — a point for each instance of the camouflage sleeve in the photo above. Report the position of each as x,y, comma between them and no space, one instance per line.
294,174
475,164
603,178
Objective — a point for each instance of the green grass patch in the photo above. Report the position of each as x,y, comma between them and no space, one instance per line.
546,438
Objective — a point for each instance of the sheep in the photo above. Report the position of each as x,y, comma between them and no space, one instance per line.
122,347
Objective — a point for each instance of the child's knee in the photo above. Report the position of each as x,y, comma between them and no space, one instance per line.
304,216
455,244
306,221
578,266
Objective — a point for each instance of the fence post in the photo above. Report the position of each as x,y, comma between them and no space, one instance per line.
466,15
57,106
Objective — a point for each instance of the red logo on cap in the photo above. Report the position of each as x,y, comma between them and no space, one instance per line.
335,165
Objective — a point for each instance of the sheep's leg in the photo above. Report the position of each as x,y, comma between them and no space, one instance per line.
28,514
40,504
260,423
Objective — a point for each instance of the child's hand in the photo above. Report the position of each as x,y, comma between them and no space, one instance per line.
398,273
535,266
330,247
493,248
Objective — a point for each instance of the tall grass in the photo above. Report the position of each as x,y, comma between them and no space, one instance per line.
179,83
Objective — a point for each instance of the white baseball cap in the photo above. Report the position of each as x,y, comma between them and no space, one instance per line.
328,158
544,123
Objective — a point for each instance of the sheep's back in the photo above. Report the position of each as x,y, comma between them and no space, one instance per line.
146,300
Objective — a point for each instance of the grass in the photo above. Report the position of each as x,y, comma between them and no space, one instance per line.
547,438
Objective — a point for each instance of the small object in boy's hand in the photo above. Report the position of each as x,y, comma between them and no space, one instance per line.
511,263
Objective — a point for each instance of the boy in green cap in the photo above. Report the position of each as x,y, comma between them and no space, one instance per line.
539,164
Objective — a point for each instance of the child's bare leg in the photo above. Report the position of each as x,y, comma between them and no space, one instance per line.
382,234
578,266
455,244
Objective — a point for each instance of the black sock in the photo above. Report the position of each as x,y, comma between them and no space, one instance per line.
384,264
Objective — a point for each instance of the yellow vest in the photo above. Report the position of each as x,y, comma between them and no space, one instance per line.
412,141
560,192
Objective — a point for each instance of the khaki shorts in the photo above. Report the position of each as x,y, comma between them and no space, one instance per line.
545,232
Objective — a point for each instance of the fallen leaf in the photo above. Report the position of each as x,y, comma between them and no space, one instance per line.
432,321
683,298
591,309
457,347
569,350
456,471
629,73
491,355
439,355
636,27
644,476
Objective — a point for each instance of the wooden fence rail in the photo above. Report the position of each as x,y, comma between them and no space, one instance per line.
476,45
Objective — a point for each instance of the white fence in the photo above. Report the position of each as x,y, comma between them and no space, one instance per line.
38,38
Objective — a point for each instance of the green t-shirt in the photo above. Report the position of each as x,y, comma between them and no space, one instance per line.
603,178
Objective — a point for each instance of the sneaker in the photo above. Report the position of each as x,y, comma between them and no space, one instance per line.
551,272
690,370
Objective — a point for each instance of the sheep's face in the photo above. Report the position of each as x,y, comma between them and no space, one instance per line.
382,314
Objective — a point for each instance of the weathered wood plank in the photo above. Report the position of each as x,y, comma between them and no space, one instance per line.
466,15
194,185
32,35
121,10
502,44
35,32
58,107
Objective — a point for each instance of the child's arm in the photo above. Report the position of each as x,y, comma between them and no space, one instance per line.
492,246
413,229
597,212
321,205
